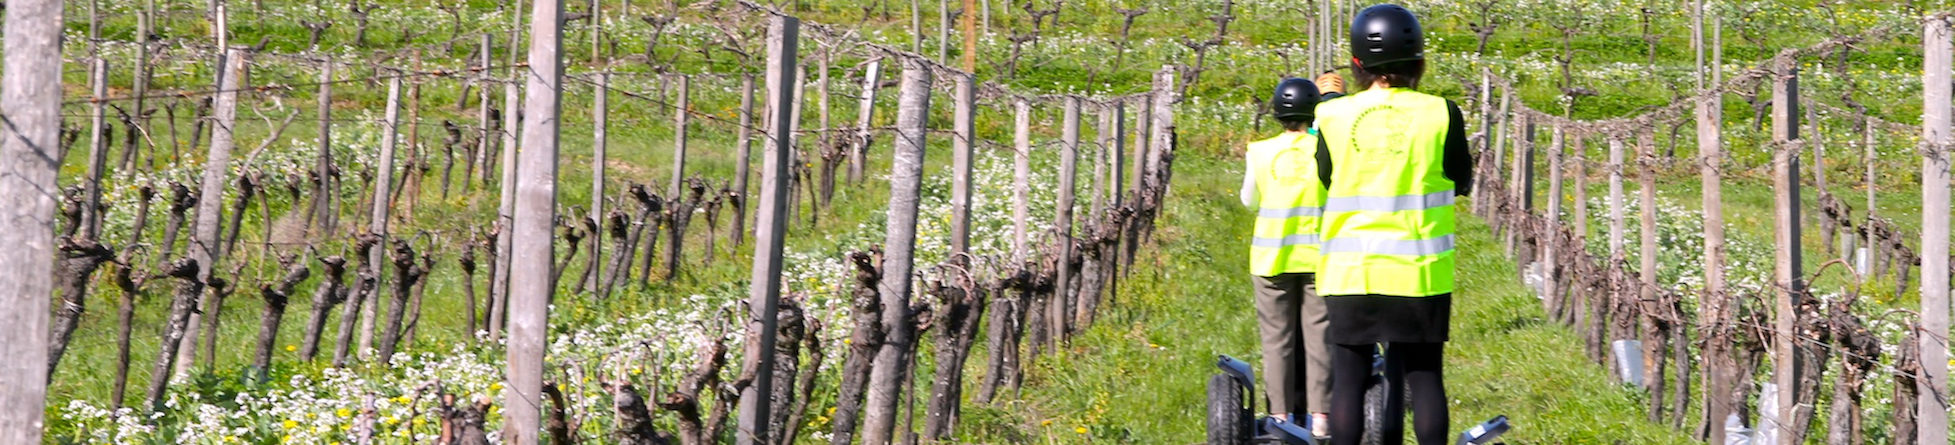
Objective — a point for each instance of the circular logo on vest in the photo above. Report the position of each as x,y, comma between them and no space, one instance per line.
1291,166
1380,130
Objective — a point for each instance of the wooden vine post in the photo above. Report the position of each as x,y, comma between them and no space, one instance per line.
377,225
30,94
327,184
1932,424
1788,366
1165,96
506,211
98,148
205,243
679,124
531,252
1520,180
864,113
1021,179
1114,149
600,116
1615,196
770,231
1062,295
1550,244
963,147
743,154
1714,315
483,127
1652,334
905,182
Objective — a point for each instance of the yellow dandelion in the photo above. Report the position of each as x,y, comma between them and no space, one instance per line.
343,413
1081,430
636,371
290,348
420,421
290,424
393,420
1046,422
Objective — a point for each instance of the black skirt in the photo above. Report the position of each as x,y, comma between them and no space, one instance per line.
1366,319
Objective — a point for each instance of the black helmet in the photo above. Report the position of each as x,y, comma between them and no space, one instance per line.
1385,34
1295,100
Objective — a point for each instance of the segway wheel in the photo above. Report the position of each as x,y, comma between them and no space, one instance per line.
1228,417
1381,419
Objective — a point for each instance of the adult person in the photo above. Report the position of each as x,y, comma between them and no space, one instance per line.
1280,183
1392,159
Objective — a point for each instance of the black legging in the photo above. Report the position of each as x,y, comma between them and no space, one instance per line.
1420,365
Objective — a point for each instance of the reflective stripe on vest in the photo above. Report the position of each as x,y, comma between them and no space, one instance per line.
1301,239
1383,246
1389,203
1290,204
1291,212
1388,218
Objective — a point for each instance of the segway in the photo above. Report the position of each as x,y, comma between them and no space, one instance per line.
1232,419
1231,411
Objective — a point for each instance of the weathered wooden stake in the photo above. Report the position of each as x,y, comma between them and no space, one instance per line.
1615,196
905,181
505,212
1518,179
1654,338
1062,295
1713,317
679,117
30,94
140,85
483,149
1162,146
205,242
377,225
783,37
743,154
98,152
964,124
530,269
600,115
1550,247
1788,367
1933,411
328,184
1021,180
1143,138
863,115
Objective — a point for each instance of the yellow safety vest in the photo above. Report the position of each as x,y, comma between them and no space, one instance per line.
1290,204
1388,217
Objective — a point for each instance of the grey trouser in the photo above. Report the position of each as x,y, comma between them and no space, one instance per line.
1296,364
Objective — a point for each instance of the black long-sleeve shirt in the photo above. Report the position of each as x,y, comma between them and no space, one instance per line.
1458,157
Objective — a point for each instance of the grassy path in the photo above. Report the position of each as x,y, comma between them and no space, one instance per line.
1138,375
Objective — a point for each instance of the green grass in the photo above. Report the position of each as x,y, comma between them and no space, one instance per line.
1138,375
